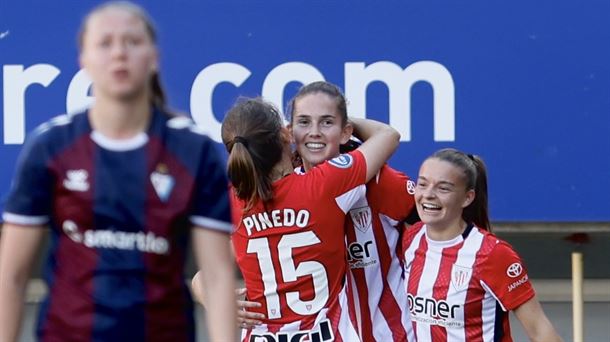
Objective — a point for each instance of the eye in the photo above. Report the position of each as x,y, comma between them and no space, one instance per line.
302,122
327,122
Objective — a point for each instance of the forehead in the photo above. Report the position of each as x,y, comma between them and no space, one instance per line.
436,170
316,104
114,20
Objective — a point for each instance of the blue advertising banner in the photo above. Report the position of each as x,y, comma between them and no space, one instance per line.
526,85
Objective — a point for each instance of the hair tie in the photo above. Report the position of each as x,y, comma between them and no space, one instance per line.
470,156
241,140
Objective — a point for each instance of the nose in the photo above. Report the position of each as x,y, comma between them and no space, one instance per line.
119,50
314,130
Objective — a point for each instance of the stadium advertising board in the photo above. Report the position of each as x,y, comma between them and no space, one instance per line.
525,85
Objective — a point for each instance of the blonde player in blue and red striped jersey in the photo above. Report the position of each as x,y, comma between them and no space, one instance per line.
461,280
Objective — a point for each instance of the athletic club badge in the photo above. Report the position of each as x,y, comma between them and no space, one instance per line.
361,218
162,182
460,277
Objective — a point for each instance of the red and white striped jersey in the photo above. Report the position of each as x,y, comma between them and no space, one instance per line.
373,246
291,252
461,289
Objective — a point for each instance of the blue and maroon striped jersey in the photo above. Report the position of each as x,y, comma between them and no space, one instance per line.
120,213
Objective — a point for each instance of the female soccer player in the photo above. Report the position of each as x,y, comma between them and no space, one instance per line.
289,237
120,193
319,125
320,129
460,279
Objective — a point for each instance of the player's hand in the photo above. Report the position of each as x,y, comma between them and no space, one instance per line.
247,319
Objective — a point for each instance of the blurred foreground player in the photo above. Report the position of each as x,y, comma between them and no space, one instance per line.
120,194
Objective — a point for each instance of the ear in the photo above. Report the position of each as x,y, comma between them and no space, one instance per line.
470,196
346,132
286,134
289,128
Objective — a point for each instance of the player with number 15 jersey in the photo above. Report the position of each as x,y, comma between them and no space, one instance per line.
292,252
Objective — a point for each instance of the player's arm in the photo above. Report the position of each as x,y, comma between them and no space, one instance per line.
380,141
245,319
18,249
535,323
213,254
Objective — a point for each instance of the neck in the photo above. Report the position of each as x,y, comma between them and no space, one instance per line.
120,119
284,167
446,233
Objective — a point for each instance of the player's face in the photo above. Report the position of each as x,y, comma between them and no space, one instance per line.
118,54
318,129
441,195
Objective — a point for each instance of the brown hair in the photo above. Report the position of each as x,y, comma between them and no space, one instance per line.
475,176
323,87
158,97
251,132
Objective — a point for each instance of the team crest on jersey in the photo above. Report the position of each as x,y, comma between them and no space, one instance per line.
162,182
361,218
77,180
410,187
460,277
343,161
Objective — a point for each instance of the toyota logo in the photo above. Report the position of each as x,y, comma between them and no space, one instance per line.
514,270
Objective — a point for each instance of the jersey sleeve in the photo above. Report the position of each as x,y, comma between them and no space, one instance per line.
30,196
391,193
342,178
504,274
211,207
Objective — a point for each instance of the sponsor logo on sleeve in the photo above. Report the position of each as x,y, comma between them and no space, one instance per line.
514,270
343,161
410,187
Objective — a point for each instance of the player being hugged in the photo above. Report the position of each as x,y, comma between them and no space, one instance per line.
120,194
460,279
289,236
320,128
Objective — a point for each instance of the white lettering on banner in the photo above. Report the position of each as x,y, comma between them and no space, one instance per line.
202,93
358,76
399,83
16,80
78,93
281,75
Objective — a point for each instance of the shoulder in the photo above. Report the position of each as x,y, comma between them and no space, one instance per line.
57,133
181,126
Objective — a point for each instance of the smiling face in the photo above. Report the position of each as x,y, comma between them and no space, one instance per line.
118,53
441,196
317,128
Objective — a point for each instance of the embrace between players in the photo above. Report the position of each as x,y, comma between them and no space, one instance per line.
320,239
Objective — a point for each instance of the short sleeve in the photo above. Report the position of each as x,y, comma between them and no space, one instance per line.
342,178
504,274
391,193
211,207
29,201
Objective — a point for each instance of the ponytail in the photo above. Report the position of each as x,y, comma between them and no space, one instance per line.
251,132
